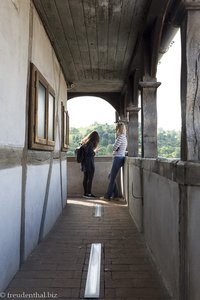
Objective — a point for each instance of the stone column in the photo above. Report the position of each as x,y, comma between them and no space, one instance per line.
149,118
190,143
190,82
132,111
133,131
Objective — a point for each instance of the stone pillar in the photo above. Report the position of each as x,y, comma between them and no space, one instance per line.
190,140
132,110
190,82
122,113
149,118
133,131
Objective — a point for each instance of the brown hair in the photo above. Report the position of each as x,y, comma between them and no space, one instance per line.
92,137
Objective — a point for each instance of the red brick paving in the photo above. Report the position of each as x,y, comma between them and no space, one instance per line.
57,268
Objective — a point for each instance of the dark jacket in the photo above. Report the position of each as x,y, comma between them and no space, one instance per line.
87,164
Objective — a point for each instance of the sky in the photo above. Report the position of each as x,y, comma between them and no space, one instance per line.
168,94
86,111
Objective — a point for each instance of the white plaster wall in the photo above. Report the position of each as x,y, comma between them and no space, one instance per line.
194,242
15,56
54,206
135,193
126,180
64,180
10,222
43,55
74,178
44,58
14,41
35,194
100,182
161,226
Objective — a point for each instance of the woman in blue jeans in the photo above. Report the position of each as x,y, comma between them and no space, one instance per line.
119,149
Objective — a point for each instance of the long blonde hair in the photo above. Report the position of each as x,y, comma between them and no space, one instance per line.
120,128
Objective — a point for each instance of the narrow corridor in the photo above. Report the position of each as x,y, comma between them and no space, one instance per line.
57,269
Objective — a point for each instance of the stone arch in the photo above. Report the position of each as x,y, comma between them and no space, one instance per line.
113,99
104,110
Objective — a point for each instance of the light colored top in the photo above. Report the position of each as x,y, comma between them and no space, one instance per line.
120,145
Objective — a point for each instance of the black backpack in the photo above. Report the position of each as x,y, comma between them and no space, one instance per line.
80,154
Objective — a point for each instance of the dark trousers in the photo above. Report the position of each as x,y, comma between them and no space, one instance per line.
87,181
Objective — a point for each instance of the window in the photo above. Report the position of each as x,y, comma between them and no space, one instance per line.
42,113
65,128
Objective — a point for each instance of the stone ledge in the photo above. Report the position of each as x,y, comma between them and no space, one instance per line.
11,157
182,172
71,159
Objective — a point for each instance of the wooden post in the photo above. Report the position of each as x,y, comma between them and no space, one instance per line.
149,118
190,134
132,110
133,131
190,83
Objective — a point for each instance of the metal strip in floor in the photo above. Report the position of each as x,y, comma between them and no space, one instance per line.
98,210
92,288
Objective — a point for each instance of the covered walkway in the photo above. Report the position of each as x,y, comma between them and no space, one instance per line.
57,268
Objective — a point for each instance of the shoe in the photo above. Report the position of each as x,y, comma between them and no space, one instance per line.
93,195
89,196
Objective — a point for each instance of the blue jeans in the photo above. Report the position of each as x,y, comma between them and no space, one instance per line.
118,162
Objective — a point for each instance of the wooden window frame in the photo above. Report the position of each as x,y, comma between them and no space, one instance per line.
36,142
65,128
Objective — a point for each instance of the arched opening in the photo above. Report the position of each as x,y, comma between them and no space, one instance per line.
168,101
87,114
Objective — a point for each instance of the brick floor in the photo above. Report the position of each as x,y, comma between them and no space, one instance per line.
57,268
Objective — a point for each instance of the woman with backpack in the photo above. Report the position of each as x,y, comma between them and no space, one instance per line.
90,146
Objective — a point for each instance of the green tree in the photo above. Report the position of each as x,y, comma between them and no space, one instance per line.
168,140
168,143
106,134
